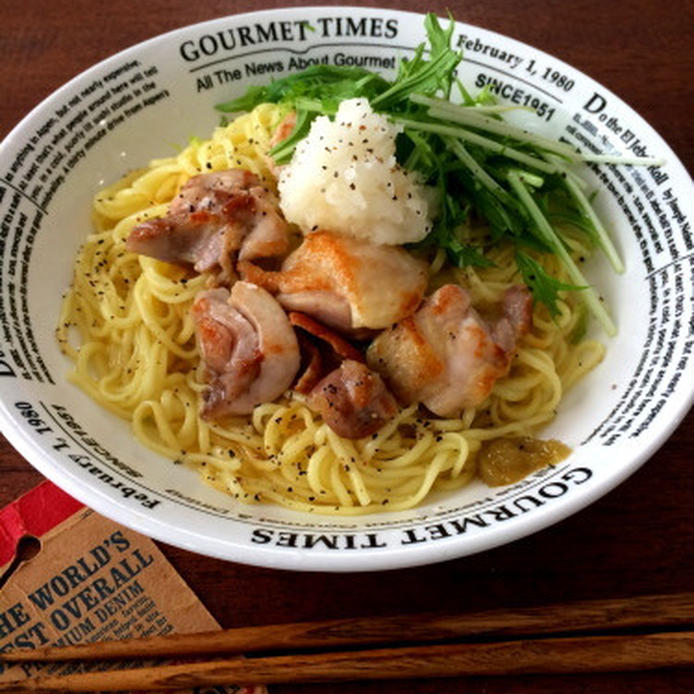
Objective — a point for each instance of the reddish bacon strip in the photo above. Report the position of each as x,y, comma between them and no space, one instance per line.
340,346
317,361
312,362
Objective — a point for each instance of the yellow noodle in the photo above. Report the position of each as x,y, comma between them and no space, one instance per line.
126,324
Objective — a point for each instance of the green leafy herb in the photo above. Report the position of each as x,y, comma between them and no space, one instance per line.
424,76
581,327
521,183
543,286
282,153
325,85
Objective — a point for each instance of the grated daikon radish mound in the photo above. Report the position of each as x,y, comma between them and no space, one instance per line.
344,178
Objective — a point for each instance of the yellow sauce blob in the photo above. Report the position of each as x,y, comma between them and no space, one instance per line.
508,460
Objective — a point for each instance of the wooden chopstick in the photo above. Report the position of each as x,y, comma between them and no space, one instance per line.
549,655
655,612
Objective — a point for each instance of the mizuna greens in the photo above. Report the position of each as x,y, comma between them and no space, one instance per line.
519,182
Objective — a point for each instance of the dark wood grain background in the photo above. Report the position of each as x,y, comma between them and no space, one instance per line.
638,539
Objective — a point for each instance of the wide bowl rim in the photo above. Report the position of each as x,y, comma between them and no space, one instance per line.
269,557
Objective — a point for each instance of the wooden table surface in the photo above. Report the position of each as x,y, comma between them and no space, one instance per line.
636,540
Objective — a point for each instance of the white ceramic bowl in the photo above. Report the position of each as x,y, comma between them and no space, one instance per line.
108,120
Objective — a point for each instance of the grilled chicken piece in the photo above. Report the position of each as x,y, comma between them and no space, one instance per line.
248,346
446,356
347,283
214,216
353,400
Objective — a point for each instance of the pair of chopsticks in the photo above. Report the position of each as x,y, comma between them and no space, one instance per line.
639,633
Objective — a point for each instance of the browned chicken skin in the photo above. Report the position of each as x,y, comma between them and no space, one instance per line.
214,217
344,282
445,355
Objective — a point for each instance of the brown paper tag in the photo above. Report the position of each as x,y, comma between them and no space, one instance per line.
91,580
